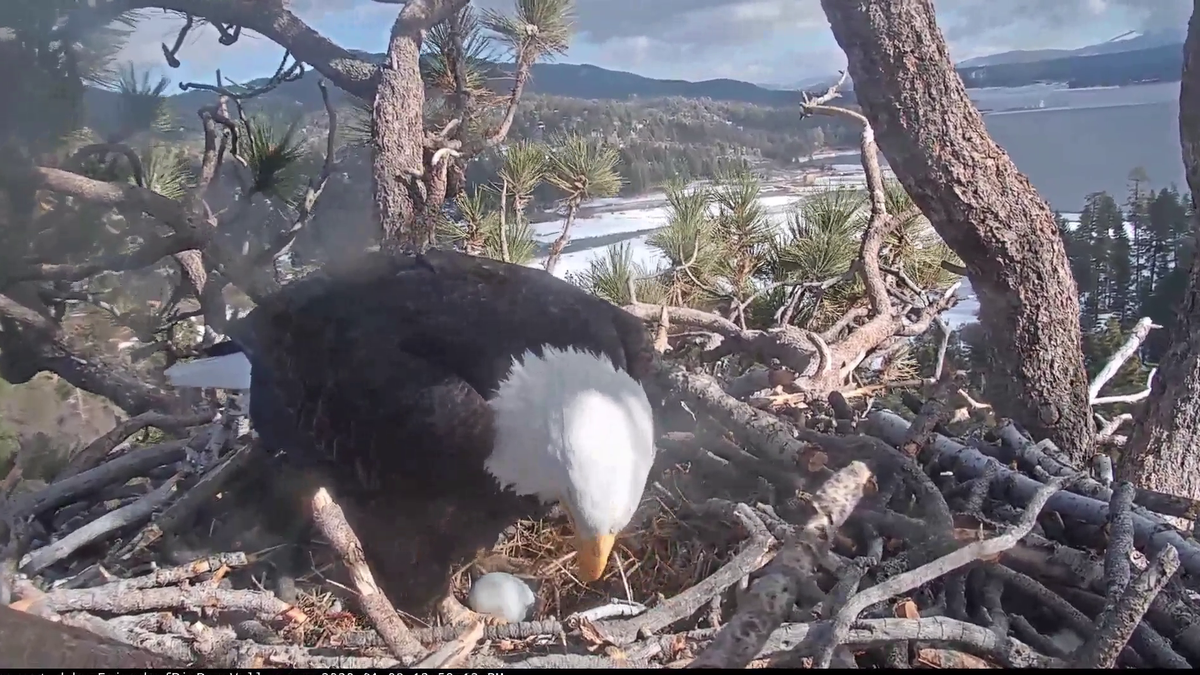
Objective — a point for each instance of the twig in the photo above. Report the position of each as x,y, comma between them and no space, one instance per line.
332,523
119,470
98,450
116,600
451,653
1115,629
769,600
753,555
1149,530
907,581
101,527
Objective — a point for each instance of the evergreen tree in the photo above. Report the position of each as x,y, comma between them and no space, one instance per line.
1137,207
1122,301
1118,273
1091,238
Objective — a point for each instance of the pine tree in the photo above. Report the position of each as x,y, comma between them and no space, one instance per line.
1111,254
1091,238
1137,207
1120,274
1168,222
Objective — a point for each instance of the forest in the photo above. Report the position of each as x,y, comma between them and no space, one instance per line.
839,480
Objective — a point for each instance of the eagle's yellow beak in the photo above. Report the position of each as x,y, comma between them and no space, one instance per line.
592,556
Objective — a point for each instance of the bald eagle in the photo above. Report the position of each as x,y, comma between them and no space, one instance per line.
448,396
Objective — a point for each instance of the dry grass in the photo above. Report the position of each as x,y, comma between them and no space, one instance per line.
327,621
668,554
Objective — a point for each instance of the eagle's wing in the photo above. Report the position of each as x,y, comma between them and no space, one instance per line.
384,417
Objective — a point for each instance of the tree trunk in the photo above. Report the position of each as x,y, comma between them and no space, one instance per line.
559,244
1161,454
28,641
504,222
399,135
402,183
983,208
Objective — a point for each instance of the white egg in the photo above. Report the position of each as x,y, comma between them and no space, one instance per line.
502,595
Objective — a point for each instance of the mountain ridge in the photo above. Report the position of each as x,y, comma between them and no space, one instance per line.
585,81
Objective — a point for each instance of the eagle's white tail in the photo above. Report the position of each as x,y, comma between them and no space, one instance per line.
231,371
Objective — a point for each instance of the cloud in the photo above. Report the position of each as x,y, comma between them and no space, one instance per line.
688,22
760,40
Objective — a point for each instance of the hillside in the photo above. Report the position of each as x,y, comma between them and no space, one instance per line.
1157,64
1128,42
1079,68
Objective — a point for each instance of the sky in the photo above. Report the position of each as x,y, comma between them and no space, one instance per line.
763,41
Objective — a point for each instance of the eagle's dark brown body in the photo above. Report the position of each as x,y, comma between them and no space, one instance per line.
376,376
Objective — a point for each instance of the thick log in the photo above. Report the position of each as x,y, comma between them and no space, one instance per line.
28,641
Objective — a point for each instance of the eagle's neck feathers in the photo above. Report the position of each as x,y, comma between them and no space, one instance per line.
571,426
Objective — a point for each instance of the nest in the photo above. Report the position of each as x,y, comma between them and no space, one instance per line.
665,556
101,553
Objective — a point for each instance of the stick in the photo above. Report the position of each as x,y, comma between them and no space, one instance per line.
770,598
907,581
754,554
332,523
1120,542
1149,530
100,528
169,576
119,470
116,600
28,641
98,450
1102,649
1136,337
454,651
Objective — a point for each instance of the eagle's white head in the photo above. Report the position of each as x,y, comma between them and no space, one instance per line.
572,428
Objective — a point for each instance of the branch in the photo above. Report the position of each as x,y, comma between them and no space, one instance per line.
1129,398
1115,629
284,73
1118,359
102,150
283,242
141,257
1149,529
105,526
102,193
272,20
771,597
902,583
32,642
34,343
99,450
332,523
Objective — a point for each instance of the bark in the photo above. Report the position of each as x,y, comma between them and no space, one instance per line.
985,210
28,641
398,166
559,244
1161,451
